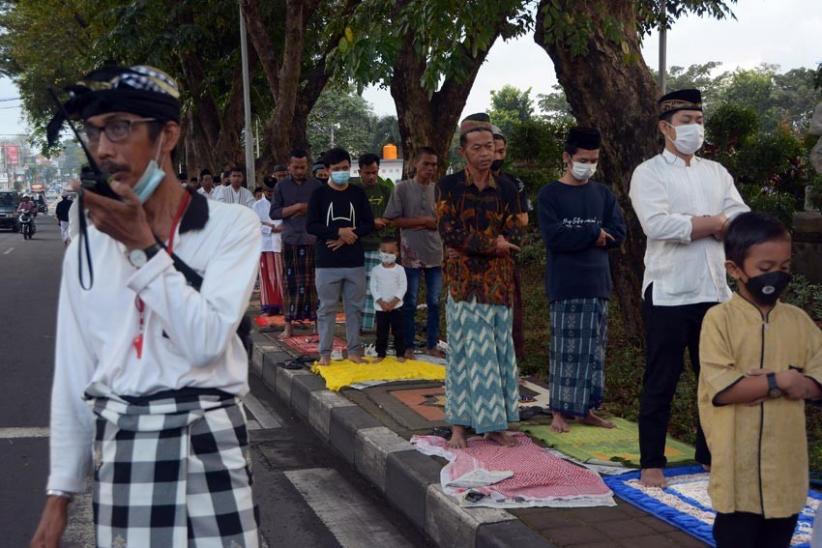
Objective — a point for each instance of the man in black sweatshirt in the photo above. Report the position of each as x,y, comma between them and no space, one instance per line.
579,220
339,215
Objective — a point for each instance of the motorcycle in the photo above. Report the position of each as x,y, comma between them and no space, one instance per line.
27,226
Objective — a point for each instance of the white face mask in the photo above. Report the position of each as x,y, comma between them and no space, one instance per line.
388,258
583,172
689,138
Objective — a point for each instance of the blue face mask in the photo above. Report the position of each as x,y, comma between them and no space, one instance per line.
340,177
149,181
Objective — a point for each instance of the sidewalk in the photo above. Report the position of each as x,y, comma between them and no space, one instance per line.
375,441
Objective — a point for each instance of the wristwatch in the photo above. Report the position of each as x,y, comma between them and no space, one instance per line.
59,493
139,257
773,389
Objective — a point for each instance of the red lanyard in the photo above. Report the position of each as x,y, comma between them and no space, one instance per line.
138,302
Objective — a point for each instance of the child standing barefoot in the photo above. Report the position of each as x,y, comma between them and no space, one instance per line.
388,286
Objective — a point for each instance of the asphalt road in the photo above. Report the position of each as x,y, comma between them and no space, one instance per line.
307,495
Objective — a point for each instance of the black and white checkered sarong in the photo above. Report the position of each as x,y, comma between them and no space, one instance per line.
172,470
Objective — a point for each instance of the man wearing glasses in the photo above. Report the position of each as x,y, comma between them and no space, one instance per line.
149,370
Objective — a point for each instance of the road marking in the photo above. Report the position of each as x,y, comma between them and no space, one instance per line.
9,250
19,433
265,416
350,517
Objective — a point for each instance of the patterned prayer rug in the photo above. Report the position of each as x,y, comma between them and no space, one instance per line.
345,373
592,444
264,322
522,476
309,344
685,503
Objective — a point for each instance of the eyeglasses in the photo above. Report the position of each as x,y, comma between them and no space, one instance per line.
116,130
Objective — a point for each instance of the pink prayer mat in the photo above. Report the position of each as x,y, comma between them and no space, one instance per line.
535,477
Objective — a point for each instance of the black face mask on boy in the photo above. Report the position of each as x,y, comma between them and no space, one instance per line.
766,288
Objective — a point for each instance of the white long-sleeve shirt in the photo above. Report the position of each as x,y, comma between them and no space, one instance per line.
271,241
387,284
96,328
230,196
666,195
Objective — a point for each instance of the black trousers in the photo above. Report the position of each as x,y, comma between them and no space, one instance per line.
669,330
394,322
746,530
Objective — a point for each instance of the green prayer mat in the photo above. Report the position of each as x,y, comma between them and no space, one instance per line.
592,444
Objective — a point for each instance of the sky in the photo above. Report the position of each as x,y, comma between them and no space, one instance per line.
782,32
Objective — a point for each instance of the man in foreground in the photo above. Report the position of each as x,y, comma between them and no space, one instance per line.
148,365
683,203
478,223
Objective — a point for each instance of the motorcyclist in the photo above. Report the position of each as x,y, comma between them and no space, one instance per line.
27,205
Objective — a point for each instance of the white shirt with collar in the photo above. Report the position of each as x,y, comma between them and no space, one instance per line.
666,193
189,338
271,241
242,196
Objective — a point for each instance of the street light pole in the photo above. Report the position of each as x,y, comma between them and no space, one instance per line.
249,130
663,46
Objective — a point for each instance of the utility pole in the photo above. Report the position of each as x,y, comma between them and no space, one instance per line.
248,131
663,46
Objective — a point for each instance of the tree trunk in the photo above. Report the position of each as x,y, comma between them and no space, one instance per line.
427,119
610,87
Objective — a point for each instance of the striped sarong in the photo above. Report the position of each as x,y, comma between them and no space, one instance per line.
300,293
271,282
481,387
372,259
579,330
172,469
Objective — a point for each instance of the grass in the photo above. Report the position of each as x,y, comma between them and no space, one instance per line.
625,362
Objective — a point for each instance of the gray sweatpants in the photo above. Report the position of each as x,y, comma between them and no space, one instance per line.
331,282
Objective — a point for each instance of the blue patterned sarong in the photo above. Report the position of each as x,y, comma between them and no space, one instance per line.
579,330
481,386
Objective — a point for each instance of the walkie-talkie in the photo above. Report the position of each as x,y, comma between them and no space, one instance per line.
92,178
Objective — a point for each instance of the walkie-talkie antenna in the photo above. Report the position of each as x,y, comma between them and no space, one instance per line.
92,164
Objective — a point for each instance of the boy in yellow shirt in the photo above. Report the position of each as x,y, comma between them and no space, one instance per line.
761,359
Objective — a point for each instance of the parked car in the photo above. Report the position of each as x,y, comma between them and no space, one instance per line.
9,200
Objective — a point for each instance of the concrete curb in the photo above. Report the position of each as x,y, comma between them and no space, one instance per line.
406,477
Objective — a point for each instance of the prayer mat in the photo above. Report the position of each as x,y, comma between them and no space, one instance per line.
344,373
279,321
685,503
592,444
426,402
531,394
522,476
309,344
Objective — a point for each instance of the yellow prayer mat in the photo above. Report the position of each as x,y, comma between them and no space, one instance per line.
345,372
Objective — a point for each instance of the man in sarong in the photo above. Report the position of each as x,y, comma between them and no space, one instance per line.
580,221
271,294
477,221
290,203
149,369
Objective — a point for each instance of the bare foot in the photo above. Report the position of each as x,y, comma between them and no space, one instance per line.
400,359
436,352
503,438
457,440
559,424
355,357
378,359
593,420
409,354
325,360
652,477
287,331
706,467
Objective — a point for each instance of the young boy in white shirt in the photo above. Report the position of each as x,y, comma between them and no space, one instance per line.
388,286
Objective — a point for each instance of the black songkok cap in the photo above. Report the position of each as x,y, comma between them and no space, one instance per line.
583,137
475,122
141,90
682,99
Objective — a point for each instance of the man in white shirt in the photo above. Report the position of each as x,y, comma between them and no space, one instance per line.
235,192
271,260
206,184
683,203
149,369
